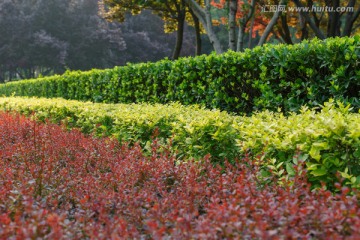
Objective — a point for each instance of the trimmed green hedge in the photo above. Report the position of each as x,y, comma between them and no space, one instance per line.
195,130
268,77
328,140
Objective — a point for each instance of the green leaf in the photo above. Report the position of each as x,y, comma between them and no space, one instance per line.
315,152
345,174
279,165
290,169
265,173
357,153
319,172
295,160
303,157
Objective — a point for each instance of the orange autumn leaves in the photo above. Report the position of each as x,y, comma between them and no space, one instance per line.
290,18
260,20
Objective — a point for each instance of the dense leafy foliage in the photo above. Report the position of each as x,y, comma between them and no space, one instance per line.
194,131
151,174
328,140
47,37
56,184
268,77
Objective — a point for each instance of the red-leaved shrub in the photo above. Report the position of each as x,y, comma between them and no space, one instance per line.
56,184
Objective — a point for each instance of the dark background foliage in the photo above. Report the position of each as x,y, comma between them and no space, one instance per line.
45,37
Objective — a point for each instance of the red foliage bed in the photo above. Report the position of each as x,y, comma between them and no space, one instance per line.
57,184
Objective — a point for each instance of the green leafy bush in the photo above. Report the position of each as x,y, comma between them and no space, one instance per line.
328,140
194,130
268,77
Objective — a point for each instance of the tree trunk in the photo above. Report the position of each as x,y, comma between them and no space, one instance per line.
240,42
209,29
303,27
232,24
197,33
285,27
304,32
204,17
330,16
243,22
251,31
308,19
334,20
271,24
179,34
350,19
310,4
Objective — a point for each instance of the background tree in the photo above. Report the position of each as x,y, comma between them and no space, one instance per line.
323,24
43,37
48,36
289,26
146,41
173,12
295,25
234,14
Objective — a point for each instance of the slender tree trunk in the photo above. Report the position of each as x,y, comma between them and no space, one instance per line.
285,27
204,16
270,26
243,22
197,33
330,16
240,42
303,27
209,29
23,73
32,72
313,26
334,20
232,24
179,35
350,19
310,4
251,31
304,32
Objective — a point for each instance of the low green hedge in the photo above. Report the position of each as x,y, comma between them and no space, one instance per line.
191,127
328,140
268,77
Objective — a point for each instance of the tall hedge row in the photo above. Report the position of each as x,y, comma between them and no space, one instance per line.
268,77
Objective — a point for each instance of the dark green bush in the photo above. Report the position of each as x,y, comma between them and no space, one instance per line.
268,77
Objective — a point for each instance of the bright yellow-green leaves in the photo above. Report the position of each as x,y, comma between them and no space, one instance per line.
328,140
190,127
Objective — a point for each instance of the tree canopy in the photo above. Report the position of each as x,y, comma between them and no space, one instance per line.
174,13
